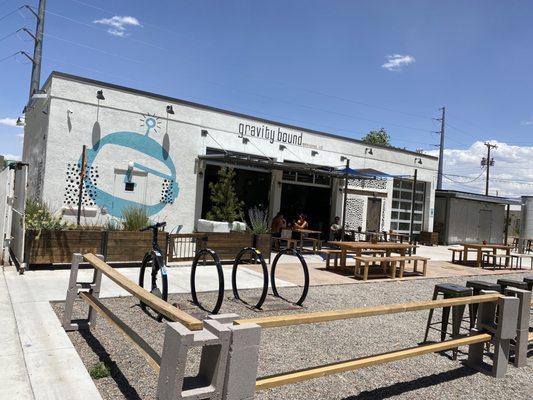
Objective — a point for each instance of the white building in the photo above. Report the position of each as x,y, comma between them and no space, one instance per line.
138,153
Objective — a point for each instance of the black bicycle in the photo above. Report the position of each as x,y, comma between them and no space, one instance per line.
154,260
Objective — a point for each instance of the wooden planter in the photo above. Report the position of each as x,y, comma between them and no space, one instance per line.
130,246
56,247
262,243
228,245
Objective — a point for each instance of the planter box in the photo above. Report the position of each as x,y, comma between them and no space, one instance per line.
131,246
228,245
56,247
263,243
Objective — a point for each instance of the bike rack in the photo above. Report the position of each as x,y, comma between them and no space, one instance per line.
216,259
257,255
293,252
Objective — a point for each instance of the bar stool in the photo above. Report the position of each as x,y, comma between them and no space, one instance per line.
477,287
529,281
449,290
513,283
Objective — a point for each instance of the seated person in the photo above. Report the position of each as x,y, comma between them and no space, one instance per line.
336,229
301,223
278,223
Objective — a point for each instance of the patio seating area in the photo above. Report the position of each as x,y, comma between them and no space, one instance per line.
494,256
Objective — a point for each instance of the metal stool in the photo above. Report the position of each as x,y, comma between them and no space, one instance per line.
449,290
477,287
529,281
511,282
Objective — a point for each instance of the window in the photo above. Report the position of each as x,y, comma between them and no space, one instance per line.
129,187
401,206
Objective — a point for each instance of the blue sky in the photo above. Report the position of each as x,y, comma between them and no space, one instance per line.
338,66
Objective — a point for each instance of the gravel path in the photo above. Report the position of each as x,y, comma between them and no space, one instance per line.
428,377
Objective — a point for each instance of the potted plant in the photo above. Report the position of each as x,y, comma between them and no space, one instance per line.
259,225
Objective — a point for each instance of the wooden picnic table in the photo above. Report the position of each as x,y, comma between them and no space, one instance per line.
365,234
479,247
304,232
358,247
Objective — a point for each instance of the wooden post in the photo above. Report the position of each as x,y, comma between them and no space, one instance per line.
82,179
345,197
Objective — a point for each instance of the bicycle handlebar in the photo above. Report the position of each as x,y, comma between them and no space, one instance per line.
153,227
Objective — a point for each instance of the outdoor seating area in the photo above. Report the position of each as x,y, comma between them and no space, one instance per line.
494,256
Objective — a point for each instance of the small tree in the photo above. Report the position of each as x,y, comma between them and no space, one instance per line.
380,137
226,206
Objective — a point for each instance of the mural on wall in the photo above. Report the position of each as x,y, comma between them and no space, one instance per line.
113,203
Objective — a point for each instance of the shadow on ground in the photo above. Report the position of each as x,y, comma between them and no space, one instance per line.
403,387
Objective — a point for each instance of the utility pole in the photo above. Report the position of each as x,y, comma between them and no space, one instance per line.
441,148
488,162
35,83
345,196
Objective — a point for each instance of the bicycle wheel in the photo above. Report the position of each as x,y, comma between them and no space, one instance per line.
257,255
220,272
157,284
304,268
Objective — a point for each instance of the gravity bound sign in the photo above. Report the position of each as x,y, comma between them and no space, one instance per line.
152,160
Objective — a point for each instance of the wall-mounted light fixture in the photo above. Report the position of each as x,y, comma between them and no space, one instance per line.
369,151
282,147
20,122
100,95
170,110
314,153
204,132
39,94
418,160
245,140
343,158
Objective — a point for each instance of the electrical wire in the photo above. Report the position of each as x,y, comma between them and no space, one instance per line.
447,176
158,27
10,13
10,34
8,57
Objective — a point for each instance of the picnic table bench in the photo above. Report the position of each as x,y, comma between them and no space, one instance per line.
388,262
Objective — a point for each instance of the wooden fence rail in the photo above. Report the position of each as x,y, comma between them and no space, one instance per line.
350,365
154,302
324,316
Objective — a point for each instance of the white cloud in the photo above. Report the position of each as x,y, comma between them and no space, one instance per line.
12,157
118,24
396,62
511,175
9,122
527,122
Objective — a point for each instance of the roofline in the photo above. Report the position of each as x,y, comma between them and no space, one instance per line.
476,197
220,110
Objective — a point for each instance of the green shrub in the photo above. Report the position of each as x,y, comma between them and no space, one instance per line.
99,371
134,218
39,216
258,221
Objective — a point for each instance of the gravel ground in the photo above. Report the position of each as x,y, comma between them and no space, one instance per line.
432,376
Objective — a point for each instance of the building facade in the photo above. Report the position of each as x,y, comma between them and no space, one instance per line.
158,152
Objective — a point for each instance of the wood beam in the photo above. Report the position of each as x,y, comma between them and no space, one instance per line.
324,316
350,365
154,302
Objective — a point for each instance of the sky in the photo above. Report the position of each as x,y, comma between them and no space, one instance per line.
336,66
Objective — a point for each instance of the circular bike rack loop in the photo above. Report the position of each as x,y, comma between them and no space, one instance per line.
202,253
257,255
293,252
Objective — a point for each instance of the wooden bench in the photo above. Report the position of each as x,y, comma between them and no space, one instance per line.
317,244
390,263
416,259
455,251
332,253
486,258
520,257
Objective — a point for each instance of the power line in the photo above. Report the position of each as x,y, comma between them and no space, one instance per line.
10,13
463,176
158,27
